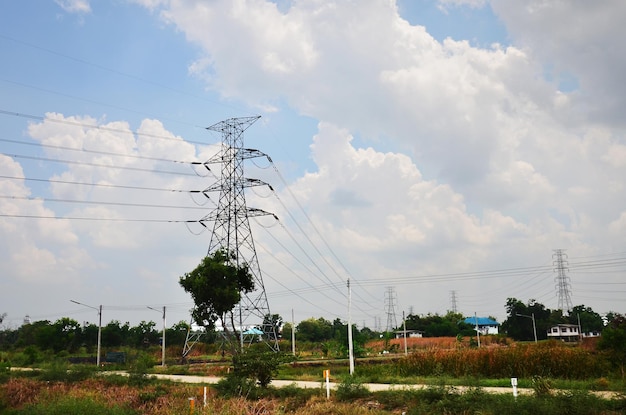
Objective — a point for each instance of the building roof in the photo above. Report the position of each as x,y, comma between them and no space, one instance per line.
481,321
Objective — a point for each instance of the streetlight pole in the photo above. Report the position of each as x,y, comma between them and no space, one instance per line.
532,316
350,347
163,339
99,310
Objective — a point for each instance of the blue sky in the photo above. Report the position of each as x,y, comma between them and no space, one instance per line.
428,146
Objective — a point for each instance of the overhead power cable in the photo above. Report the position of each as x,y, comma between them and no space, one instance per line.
93,202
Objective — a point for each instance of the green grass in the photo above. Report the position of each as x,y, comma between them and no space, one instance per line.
70,406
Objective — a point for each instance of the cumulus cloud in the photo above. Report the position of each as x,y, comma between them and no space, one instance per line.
501,159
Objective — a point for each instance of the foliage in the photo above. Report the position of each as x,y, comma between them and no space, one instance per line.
60,371
613,341
434,325
138,371
259,363
314,330
351,388
233,385
215,286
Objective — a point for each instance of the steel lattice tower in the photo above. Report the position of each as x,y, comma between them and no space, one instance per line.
562,281
390,304
231,225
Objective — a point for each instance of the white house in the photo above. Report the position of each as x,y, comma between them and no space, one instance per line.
565,332
409,334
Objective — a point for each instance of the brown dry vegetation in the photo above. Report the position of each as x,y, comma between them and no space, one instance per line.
420,343
164,399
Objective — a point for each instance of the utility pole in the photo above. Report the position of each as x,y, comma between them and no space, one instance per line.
563,284
99,310
162,337
350,347
293,334
231,224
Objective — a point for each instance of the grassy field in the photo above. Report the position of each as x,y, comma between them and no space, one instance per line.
562,380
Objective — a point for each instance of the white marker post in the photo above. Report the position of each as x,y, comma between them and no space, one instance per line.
514,384
327,378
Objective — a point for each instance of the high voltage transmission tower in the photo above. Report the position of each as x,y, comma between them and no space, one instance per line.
390,306
562,280
453,301
231,224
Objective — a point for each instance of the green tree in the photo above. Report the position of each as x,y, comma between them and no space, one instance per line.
589,319
143,334
216,286
613,341
519,327
314,330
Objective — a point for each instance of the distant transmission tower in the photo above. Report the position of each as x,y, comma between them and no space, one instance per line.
231,225
390,306
562,280
453,301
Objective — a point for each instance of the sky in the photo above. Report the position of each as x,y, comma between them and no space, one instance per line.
436,153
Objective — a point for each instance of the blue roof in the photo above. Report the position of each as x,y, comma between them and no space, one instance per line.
482,321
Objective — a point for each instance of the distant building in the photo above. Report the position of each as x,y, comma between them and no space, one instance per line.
565,332
409,334
485,325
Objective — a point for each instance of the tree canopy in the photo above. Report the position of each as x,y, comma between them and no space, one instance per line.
216,286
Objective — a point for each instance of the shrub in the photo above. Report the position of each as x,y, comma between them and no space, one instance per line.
138,371
59,371
234,385
259,364
351,388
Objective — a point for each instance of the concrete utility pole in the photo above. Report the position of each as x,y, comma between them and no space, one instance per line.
99,310
350,347
163,337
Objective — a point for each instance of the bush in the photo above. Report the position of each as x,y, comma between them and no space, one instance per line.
351,388
234,385
59,371
259,364
138,370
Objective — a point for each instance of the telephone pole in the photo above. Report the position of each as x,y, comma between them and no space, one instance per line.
231,224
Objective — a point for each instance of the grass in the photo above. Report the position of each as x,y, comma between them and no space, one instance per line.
97,396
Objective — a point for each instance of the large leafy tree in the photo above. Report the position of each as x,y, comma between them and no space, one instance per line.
216,286
315,330
519,327
589,320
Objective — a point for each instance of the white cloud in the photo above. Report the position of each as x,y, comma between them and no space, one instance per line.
74,6
502,163
580,40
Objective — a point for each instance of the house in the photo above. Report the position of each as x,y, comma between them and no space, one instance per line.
565,332
409,334
485,325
